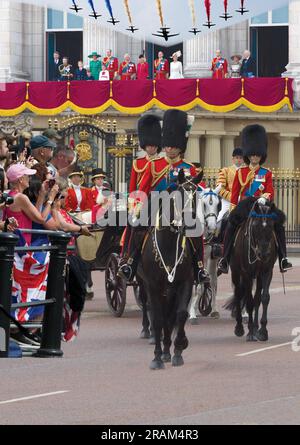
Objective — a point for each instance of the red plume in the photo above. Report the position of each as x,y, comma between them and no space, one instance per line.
242,3
207,7
225,5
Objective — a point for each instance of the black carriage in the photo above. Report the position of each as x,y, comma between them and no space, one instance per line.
102,252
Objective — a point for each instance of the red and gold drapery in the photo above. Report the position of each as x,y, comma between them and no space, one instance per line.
263,95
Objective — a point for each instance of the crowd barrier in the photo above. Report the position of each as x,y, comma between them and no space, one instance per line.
52,320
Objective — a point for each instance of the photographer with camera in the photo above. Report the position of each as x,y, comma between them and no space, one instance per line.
10,224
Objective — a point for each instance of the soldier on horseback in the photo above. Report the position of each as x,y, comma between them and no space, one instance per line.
159,175
252,182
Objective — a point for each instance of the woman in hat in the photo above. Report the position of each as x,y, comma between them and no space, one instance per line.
176,71
235,66
95,65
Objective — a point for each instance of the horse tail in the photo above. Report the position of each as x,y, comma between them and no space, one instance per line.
233,302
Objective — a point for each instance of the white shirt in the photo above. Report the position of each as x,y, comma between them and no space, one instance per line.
77,189
176,70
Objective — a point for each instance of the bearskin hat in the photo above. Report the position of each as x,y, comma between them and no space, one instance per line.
254,142
237,152
176,126
149,131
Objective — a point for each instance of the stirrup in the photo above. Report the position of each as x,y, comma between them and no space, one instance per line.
125,271
223,267
285,265
203,276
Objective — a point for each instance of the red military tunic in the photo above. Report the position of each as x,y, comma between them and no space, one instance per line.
158,171
161,68
219,68
127,70
72,202
111,64
255,182
142,71
138,169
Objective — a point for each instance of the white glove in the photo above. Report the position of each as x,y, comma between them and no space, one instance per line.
262,201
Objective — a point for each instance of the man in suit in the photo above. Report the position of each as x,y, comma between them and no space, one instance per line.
248,68
53,67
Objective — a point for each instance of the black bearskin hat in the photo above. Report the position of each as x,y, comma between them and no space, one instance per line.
149,131
237,152
254,142
176,126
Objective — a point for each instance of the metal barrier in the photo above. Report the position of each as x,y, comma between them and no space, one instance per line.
52,322
287,197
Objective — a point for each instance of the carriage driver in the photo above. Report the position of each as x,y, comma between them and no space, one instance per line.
252,181
158,176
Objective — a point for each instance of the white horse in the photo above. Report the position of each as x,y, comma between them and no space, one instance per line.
211,207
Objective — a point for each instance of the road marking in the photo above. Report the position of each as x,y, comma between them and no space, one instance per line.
37,396
264,349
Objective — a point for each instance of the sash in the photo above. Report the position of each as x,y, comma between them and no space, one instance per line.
254,187
125,68
160,66
108,62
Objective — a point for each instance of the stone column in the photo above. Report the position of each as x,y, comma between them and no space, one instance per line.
22,41
192,153
213,149
228,145
199,51
293,68
287,151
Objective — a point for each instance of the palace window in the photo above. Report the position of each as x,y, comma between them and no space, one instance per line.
62,21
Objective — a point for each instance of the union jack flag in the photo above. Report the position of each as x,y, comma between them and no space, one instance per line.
30,273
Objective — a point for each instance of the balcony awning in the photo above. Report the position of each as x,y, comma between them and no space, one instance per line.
263,95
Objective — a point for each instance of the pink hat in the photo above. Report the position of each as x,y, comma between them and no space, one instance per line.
16,171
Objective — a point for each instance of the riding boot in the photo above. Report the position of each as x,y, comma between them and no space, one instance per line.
223,265
284,263
129,263
201,275
217,241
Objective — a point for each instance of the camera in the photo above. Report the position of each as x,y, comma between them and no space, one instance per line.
51,183
6,199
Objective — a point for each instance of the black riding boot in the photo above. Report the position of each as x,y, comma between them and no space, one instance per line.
217,241
284,263
223,265
129,263
201,274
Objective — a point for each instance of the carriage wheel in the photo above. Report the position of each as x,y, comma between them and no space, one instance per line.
115,287
205,301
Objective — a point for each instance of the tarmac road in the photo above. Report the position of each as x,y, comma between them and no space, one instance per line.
104,376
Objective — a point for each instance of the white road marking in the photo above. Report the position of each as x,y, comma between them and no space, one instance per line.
37,396
264,349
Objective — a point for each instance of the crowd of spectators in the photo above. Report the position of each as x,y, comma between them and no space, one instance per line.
33,192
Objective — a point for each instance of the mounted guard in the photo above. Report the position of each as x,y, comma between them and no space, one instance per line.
252,182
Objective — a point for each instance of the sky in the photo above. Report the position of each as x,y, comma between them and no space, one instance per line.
176,14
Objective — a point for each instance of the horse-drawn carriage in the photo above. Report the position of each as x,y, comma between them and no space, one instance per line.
101,251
